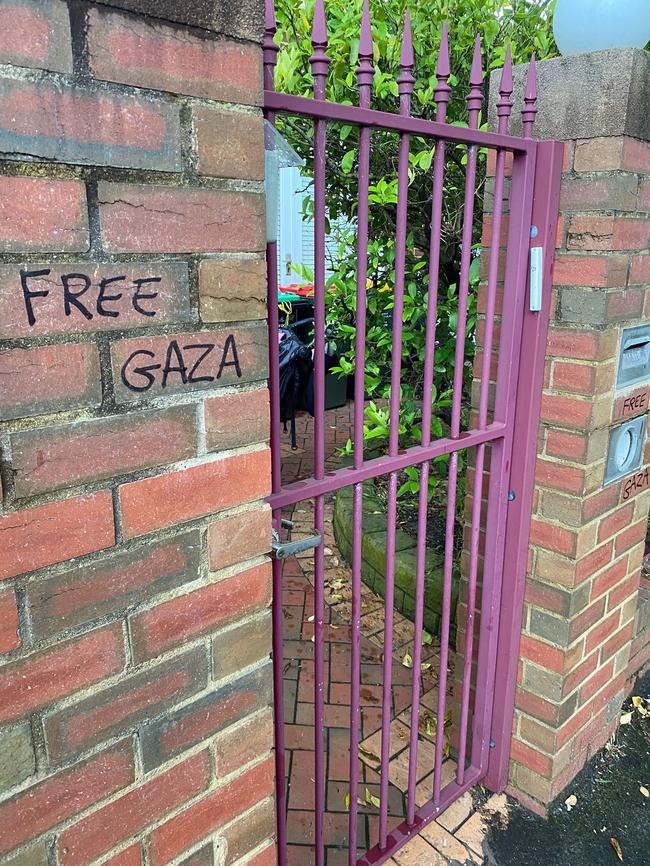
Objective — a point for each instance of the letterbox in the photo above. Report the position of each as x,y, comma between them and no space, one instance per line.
626,445
634,360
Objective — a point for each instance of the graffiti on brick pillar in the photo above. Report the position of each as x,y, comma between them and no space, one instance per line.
635,484
189,364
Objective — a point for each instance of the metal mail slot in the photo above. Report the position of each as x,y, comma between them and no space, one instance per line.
634,360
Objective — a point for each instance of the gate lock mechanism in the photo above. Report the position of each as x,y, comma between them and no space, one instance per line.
283,550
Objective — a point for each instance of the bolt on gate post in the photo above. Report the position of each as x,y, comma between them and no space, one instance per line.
505,425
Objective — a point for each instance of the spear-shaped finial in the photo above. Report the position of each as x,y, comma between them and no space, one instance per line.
365,69
475,95
319,60
504,104
406,79
529,110
443,71
270,47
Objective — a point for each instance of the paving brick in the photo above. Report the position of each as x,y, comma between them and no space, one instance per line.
160,57
9,624
187,616
36,34
232,290
237,648
210,813
88,839
51,458
185,363
239,537
229,143
111,584
140,218
17,758
34,681
41,299
88,126
113,711
39,214
40,536
233,420
45,805
166,500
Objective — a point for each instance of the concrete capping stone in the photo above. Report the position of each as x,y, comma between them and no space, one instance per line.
243,19
594,95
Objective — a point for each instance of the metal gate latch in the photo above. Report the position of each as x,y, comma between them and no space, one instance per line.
283,550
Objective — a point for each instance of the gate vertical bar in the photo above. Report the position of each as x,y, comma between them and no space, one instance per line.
546,199
271,50
405,84
319,63
365,74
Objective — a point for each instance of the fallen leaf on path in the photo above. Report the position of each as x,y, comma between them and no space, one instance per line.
570,802
617,847
407,661
644,791
371,800
626,718
369,755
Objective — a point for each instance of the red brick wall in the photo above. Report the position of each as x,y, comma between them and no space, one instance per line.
135,723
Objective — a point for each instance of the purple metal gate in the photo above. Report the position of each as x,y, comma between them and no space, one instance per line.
507,428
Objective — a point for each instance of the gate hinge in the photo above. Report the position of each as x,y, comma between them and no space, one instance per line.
283,550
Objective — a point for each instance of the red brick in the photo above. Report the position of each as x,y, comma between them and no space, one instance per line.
48,379
267,857
586,619
630,537
54,532
575,723
627,304
237,648
579,674
566,411
575,378
39,214
532,758
165,500
213,811
85,125
640,270
599,154
239,537
611,192
629,405
232,290
48,803
631,234
542,654
590,232
249,832
596,271
131,856
644,195
537,707
91,837
109,297
34,681
614,522
624,590
9,625
558,476
229,143
602,631
570,446
240,744
548,597
617,641
636,155
232,420
155,56
600,502
50,458
204,610
184,363
593,561
613,575
139,218
552,537
581,345
134,699
111,584
35,33
597,681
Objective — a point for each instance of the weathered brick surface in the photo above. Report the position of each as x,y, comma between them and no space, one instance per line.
41,299
54,457
242,743
36,33
137,218
48,379
86,125
131,856
149,54
9,626
239,536
247,833
232,289
183,363
17,758
229,143
237,419
165,500
112,584
241,646
54,532
37,214
33,855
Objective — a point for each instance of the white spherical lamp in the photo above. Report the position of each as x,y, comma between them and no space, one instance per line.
592,25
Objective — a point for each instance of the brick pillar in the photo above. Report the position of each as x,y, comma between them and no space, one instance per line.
587,536
135,682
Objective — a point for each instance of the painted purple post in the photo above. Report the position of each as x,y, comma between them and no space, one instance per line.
270,59
365,74
405,84
474,102
529,111
441,97
319,64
